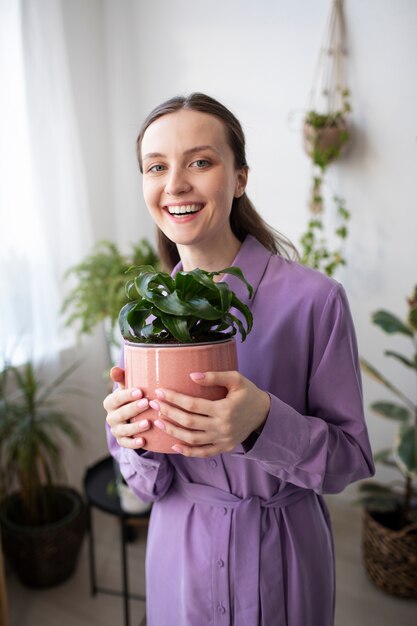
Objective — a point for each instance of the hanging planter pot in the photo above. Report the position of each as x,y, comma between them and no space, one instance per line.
325,138
326,132
174,326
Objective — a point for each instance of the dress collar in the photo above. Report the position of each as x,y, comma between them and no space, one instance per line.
252,258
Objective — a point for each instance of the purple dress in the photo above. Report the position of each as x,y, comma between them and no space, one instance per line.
244,538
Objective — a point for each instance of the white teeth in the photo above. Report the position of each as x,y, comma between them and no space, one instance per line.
184,209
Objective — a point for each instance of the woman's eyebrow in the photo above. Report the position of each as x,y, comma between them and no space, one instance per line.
153,155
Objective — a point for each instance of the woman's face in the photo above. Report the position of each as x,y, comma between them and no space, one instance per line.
189,177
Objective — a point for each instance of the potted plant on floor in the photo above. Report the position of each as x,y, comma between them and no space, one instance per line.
42,522
99,292
390,515
173,326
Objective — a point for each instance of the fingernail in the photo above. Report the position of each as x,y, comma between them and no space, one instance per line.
136,393
160,394
142,403
197,376
139,441
159,424
143,424
154,405
177,449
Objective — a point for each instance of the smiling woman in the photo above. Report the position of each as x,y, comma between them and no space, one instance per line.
239,533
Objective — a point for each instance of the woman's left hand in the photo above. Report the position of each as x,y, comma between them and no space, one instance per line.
209,427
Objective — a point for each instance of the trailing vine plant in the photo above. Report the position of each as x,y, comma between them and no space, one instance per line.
326,133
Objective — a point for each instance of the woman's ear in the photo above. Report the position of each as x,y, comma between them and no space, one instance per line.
241,181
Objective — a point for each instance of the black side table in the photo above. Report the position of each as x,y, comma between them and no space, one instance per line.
96,481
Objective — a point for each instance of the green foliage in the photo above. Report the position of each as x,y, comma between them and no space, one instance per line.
315,251
403,454
100,290
31,431
188,308
325,135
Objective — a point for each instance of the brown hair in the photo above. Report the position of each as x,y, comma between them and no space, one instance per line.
244,219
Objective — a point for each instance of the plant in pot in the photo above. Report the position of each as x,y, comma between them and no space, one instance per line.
390,510
99,292
325,136
173,326
326,132
42,522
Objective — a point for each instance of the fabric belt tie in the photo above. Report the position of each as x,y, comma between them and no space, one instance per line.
249,550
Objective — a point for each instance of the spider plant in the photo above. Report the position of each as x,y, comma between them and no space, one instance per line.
190,307
32,430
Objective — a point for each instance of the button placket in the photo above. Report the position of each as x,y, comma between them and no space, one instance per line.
220,568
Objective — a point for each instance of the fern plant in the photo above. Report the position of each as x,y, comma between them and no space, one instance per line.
190,307
99,292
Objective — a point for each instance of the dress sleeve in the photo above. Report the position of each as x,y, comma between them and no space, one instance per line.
329,447
148,474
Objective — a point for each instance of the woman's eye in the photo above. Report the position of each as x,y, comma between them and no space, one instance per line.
201,163
156,168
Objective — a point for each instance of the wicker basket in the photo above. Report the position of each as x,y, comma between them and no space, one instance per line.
390,557
44,556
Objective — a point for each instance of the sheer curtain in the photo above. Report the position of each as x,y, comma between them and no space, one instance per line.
45,225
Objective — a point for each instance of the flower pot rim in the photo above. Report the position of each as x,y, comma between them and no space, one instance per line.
68,492
191,344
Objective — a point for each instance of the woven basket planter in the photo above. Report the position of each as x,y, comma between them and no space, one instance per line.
44,556
390,557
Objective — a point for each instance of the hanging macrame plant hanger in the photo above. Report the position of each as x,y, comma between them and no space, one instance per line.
325,135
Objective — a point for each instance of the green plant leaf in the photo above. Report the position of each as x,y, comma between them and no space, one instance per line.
391,410
178,327
376,375
385,457
405,452
391,324
402,359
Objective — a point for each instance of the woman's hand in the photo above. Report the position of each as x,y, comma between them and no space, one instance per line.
209,427
124,407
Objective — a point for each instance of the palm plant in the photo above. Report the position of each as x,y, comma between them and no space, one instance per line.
31,431
402,455
190,307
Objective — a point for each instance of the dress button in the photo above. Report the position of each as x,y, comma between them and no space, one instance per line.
213,463
224,511
221,609
220,563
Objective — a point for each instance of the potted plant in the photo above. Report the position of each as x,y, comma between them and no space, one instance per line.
325,136
390,510
99,292
173,326
42,522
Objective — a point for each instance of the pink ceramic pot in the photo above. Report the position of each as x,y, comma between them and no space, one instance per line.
150,367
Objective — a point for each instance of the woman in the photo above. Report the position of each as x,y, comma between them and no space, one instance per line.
239,532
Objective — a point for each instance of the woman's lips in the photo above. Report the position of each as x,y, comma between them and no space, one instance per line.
184,212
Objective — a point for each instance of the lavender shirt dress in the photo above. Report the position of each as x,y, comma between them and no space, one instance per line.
244,538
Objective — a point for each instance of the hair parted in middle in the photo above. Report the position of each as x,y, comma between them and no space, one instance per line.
244,218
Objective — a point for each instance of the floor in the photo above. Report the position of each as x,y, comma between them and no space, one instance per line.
358,601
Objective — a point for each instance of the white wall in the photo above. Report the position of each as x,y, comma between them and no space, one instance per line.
258,58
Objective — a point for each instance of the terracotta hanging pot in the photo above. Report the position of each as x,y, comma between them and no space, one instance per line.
153,366
325,144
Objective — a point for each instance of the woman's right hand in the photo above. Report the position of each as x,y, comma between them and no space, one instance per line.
124,408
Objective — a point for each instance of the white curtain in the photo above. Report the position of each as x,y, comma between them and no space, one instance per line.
44,225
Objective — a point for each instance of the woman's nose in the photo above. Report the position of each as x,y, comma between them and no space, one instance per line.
177,182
